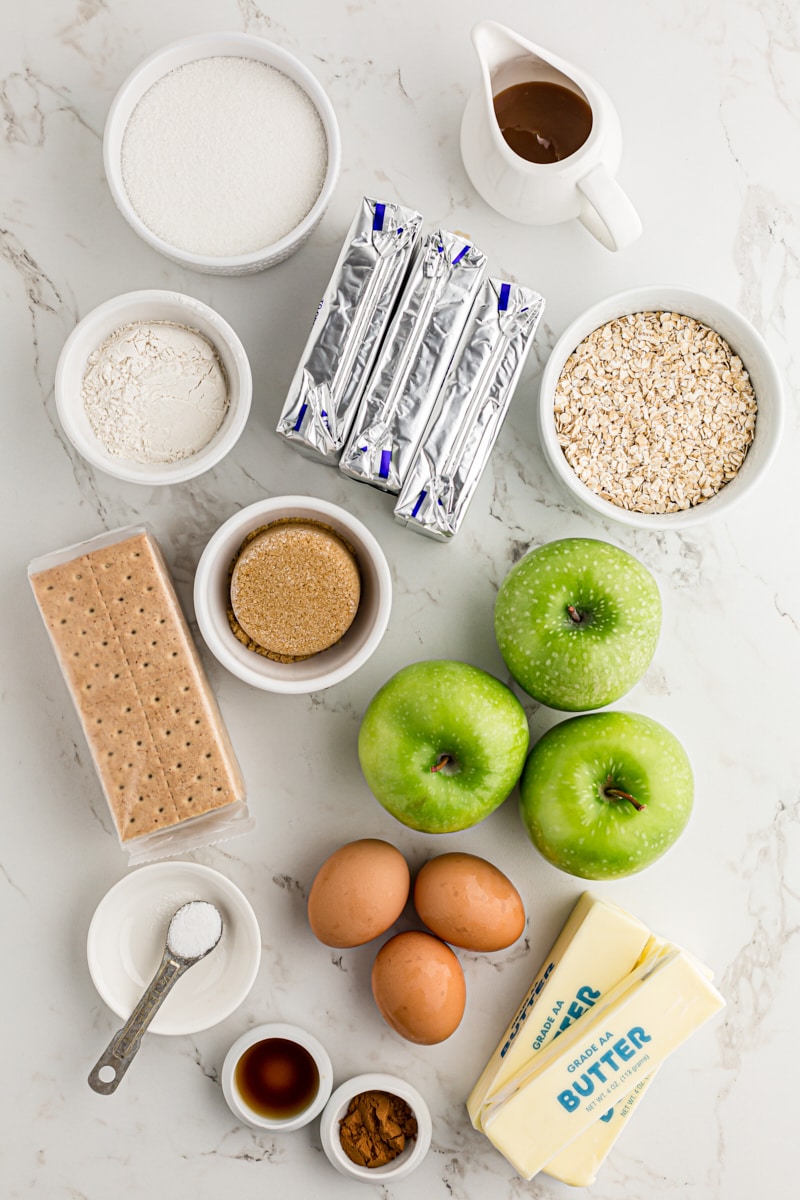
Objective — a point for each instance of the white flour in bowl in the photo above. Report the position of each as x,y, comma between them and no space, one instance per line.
224,156
155,392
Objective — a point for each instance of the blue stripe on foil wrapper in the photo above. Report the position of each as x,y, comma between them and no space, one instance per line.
460,255
386,461
300,416
377,220
505,292
418,505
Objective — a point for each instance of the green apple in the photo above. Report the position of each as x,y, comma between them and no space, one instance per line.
442,744
577,623
605,794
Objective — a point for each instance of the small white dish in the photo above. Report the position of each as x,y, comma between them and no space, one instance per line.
127,935
336,1109
178,54
212,597
291,1033
743,339
151,305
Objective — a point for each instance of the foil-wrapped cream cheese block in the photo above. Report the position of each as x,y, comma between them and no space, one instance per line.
445,279
469,409
352,319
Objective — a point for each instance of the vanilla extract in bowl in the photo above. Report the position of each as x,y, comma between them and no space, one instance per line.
543,122
277,1078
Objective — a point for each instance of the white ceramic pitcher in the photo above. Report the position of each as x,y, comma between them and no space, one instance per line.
582,185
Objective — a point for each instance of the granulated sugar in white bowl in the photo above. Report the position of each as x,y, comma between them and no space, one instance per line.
272,135
222,152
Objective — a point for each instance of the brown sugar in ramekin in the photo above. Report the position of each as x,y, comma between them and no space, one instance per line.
294,589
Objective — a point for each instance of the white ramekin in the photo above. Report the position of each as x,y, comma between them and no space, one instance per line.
290,1033
127,935
153,305
212,597
178,54
743,339
336,1108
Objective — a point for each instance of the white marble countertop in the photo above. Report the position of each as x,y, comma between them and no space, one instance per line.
709,98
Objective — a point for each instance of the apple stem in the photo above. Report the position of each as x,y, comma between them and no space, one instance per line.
443,760
574,615
614,793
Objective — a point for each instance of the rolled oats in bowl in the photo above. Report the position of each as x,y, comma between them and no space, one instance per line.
654,412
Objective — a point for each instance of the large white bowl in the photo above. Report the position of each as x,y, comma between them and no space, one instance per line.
151,305
743,339
127,935
178,54
212,598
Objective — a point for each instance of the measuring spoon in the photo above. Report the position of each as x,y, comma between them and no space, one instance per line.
194,930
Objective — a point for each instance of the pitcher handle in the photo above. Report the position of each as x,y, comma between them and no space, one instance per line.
610,216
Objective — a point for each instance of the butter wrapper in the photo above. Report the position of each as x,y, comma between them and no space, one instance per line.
599,945
351,321
470,409
412,363
574,1080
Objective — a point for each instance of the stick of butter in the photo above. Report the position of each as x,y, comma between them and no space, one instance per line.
599,1060
579,1163
599,945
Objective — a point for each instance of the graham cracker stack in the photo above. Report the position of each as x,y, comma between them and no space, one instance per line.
160,747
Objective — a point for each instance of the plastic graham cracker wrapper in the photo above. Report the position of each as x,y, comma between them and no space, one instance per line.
158,742
351,321
470,409
445,278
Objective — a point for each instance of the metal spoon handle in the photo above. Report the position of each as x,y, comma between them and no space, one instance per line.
124,1045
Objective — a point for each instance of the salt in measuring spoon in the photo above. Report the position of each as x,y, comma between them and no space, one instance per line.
194,930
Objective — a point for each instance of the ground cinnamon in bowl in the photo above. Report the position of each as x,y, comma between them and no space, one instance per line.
376,1128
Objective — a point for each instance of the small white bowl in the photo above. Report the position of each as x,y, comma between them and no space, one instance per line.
336,1108
212,595
291,1033
151,305
178,54
127,936
743,339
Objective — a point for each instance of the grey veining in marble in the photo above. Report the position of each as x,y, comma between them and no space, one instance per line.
709,98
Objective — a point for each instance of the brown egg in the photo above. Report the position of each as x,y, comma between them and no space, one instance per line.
468,902
358,893
419,987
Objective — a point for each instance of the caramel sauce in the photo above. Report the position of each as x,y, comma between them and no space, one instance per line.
277,1078
542,122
